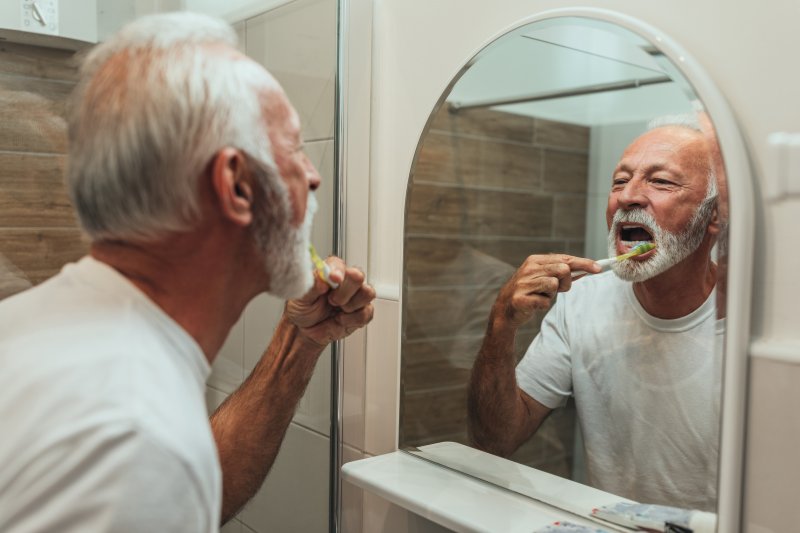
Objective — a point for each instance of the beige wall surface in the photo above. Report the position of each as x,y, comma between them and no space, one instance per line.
418,46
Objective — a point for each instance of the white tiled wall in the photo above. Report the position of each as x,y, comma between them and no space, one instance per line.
774,431
297,44
295,495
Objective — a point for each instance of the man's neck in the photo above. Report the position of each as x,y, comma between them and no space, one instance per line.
199,286
680,290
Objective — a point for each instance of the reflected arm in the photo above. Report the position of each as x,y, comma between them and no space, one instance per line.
501,415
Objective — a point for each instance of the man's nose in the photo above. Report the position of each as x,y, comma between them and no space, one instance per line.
314,179
632,195
311,174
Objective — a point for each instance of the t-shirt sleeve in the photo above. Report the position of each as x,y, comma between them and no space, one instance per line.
545,371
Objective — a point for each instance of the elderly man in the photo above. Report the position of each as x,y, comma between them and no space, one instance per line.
187,171
635,347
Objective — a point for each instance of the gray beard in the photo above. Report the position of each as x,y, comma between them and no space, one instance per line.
671,248
283,247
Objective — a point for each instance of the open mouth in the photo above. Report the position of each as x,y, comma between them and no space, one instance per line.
630,235
635,234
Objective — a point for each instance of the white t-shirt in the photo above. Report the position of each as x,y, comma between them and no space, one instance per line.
104,426
647,390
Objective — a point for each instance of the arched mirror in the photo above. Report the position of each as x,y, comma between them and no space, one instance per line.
567,140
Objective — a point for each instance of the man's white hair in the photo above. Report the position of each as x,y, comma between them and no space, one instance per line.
689,121
154,104
683,120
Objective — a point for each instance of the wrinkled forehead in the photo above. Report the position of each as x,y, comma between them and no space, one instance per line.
253,72
280,115
678,148
277,111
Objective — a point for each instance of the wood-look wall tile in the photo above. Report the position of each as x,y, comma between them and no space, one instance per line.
496,124
438,363
12,279
447,312
429,364
550,133
432,262
431,415
444,121
456,210
32,193
39,254
451,283
569,216
439,261
514,252
577,248
552,447
565,172
38,62
526,334
447,159
509,165
32,115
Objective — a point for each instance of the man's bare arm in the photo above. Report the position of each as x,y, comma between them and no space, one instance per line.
501,415
250,425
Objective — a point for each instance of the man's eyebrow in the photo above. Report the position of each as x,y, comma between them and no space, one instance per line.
655,167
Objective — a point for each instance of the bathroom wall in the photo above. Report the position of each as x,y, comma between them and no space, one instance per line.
404,78
38,231
297,43
488,189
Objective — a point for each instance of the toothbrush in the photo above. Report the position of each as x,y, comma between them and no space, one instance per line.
321,267
639,249
605,264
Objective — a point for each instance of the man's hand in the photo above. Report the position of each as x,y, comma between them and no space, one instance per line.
324,315
535,284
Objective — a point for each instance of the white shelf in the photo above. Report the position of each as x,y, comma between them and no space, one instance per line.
451,499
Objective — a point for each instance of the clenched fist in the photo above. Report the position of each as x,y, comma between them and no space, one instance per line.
535,284
324,314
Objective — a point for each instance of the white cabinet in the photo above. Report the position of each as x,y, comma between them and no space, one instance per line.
55,23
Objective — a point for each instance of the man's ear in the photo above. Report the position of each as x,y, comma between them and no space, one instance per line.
714,223
230,182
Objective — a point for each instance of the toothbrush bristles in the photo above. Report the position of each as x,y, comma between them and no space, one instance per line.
642,247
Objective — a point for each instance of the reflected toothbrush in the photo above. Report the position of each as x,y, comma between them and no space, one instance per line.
605,264
639,249
321,267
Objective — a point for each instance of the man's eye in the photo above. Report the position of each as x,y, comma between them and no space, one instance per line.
661,181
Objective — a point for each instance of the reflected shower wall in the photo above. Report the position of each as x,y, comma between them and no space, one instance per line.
489,188
38,230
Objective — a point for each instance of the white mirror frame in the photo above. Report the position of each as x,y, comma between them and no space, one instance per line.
741,201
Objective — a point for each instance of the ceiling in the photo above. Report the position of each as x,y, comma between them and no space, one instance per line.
552,58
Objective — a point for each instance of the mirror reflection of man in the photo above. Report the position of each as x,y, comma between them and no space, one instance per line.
634,347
